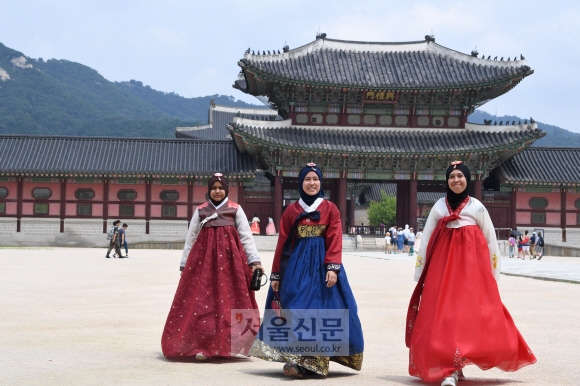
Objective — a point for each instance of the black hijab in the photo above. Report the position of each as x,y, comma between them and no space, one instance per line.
217,177
455,199
308,199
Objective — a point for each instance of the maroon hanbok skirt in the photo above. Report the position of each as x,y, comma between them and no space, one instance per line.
215,281
461,318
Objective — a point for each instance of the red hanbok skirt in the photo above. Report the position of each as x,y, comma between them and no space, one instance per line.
255,227
215,281
461,318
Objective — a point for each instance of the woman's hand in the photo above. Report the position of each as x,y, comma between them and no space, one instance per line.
257,266
275,284
330,278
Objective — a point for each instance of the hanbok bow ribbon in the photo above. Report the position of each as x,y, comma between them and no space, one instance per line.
289,244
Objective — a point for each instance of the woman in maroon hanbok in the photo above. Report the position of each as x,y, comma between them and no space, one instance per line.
456,317
217,264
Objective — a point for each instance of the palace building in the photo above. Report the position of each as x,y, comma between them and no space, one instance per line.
373,116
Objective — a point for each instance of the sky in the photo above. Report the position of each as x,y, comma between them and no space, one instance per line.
192,47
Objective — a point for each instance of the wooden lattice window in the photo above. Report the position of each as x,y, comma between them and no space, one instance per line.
3,193
127,195
538,218
126,210
538,202
84,210
2,207
40,209
168,211
169,195
41,193
577,204
85,194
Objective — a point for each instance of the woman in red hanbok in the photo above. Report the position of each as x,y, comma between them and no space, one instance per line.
217,264
456,316
255,227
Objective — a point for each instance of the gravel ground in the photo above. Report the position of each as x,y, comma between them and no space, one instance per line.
72,317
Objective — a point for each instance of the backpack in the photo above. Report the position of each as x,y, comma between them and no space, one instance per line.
111,233
540,241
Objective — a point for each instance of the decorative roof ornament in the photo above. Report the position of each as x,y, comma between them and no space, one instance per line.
430,38
320,36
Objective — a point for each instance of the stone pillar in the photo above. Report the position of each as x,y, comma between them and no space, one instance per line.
278,198
563,202
476,189
341,201
412,217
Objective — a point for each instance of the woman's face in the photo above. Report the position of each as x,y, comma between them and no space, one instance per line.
311,184
457,182
218,192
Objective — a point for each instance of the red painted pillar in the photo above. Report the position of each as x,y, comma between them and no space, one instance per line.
19,193
412,204
350,204
476,189
341,202
62,203
241,198
402,203
147,206
563,201
105,204
514,208
189,202
278,197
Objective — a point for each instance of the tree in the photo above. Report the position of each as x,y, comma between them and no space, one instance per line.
384,211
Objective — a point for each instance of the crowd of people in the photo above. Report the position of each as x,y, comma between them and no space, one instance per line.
532,247
117,237
455,315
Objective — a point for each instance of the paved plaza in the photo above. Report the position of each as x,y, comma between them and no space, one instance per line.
72,317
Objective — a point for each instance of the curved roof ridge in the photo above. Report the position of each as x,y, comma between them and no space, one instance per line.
246,110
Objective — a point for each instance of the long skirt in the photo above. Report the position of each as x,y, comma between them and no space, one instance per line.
270,229
461,318
215,281
304,287
255,227
400,242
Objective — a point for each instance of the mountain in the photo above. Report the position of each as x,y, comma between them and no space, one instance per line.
556,136
60,97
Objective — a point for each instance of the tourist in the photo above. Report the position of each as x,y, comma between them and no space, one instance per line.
123,240
270,228
400,240
511,244
217,264
411,241
526,246
533,241
520,247
406,239
394,238
540,246
113,237
455,317
418,239
307,273
255,227
388,242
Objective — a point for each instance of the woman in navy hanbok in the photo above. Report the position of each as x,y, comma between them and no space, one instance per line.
307,273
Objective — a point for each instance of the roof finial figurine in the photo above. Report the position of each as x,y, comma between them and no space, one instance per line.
508,59
495,58
263,52
482,56
526,122
501,60
495,123
519,122
489,57
513,123
248,50
522,57
501,123
253,53
278,52
285,48
430,38
532,120
474,53
320,36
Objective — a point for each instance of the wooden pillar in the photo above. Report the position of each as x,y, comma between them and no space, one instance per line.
514,207
19,193
147,206
105,204
402,203
189,202
341,202
62,203
412,216
563,202
278,197
350,205
241,198
476,189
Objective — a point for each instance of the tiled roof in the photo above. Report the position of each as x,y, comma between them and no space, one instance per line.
373,193
420,64
543,165
380,140
105,156
219,117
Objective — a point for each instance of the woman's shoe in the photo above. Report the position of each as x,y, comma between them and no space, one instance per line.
293,370
451,380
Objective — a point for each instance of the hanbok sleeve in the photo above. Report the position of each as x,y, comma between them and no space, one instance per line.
425,238
333,257
190,238
246,237
486,226
285,229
